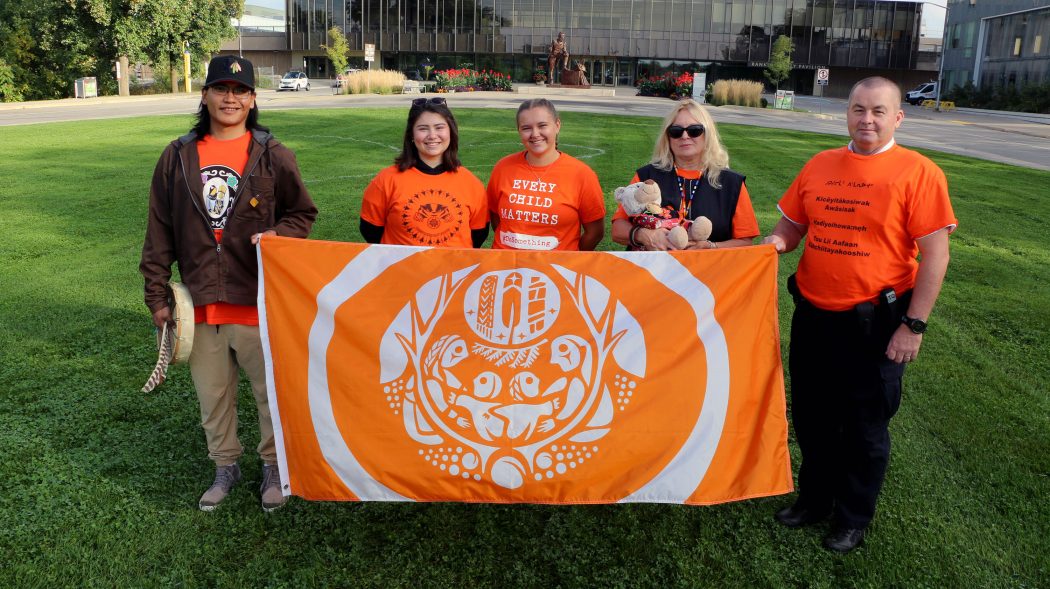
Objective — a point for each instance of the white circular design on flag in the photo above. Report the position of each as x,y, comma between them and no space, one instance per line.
485,389
511,306
426,411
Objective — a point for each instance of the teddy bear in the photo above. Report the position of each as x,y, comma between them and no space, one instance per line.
641,202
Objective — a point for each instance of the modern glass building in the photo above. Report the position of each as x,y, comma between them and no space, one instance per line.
997,44
616,40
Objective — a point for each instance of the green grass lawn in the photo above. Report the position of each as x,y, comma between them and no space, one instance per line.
99,482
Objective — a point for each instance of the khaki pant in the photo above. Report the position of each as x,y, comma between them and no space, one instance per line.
218,350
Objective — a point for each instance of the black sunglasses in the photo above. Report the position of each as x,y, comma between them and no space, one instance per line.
437,100
676,131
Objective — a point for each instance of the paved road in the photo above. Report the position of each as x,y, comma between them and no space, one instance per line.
1012,138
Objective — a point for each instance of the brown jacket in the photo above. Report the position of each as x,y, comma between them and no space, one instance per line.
178,229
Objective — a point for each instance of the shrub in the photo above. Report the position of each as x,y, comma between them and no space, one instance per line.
469,80
138,88
9,91
738,92
373,81
493,81
265,81
1031,98
539,74
667,85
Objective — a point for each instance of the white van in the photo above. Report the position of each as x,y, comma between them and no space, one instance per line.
927,91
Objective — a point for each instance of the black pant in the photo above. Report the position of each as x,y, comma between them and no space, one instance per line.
843,393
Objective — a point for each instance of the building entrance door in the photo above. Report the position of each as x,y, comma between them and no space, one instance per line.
601,72
624,72
595,71
607,71
317,67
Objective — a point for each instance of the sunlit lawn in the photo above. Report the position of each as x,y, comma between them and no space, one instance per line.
98,482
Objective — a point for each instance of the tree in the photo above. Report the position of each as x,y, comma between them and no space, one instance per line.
8,89
199,26
46,46
337,50
780,61
49,43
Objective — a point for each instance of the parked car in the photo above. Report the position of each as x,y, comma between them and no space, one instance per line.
294,80
927,91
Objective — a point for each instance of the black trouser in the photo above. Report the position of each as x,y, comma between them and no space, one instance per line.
843,393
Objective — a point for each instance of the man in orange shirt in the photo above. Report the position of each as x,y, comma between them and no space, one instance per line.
216,192
861,305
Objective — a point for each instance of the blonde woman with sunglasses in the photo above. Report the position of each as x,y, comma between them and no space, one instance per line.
426,197
692,169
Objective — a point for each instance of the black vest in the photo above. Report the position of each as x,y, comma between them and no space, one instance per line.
717,204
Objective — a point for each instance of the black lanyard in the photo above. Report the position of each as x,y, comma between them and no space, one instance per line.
686,205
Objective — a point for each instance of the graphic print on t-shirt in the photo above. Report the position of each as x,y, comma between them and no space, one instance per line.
864,215
432,216
220,190
543,208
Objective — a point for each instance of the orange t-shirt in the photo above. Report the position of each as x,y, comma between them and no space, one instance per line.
863,214
745,224
543,208
222,165
415,208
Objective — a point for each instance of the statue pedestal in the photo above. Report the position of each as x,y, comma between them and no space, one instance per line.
559,90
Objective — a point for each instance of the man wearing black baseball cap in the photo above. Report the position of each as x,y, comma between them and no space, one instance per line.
216,192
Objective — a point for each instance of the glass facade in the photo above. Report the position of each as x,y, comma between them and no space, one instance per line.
616,39
996,44
1015,51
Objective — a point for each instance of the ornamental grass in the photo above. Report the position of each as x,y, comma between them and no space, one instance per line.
737,92
373,82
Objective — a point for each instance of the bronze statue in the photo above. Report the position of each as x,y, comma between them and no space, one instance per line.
558,56
577,76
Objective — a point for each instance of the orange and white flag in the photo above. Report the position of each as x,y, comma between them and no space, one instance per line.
418,374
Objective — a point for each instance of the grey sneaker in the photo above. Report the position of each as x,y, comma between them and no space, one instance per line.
272,497
225,478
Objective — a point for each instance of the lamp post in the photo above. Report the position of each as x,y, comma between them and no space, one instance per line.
944,40
186,64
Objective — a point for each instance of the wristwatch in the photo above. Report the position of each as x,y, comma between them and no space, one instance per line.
915,325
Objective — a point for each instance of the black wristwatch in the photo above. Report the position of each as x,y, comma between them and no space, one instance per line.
915,325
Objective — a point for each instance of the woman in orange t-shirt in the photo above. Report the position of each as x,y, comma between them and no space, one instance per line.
692,169
427,197
541,198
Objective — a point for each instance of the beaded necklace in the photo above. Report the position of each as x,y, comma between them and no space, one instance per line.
686,205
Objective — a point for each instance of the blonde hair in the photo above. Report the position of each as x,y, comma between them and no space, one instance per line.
715,158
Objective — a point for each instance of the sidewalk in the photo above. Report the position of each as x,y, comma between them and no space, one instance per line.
88,102
1007,137
1028,124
